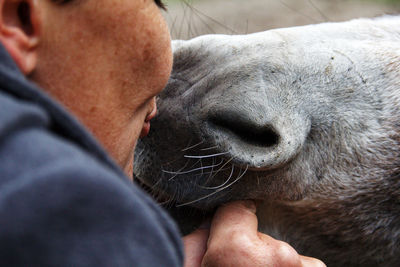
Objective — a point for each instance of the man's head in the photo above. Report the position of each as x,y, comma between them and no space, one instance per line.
105,60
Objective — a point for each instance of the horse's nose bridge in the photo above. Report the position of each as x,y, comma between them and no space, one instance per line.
251,84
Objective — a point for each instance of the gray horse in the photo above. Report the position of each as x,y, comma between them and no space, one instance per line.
304,120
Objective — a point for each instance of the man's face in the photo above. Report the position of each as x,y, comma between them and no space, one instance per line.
105,60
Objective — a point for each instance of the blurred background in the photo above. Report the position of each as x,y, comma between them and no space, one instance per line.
190,18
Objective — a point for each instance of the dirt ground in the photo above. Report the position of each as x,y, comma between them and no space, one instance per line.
246,16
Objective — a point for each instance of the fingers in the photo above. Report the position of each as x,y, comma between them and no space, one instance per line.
233,237
311,262
235,241
195,247
278,253
233,217
282,254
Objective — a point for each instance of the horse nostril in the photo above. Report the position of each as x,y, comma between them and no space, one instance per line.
246,130
261,139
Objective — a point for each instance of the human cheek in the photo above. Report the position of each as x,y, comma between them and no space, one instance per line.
158,52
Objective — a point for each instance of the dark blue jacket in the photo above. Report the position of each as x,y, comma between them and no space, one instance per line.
63,201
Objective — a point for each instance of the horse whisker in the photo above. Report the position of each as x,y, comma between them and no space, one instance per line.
219,186
212,175
205,156
193,146
212,169
237,179
171,199
211,172
215,173
193,170
210,148
187,162
201,165
184,167
215,192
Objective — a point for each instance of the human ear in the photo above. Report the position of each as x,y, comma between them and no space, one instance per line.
20,31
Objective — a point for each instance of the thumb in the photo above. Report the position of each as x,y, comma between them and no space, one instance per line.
234,216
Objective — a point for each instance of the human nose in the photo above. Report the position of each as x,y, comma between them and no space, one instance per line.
153,111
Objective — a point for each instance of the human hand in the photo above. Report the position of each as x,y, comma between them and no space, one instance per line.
233,240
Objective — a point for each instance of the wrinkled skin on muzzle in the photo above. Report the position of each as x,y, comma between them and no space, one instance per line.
304,120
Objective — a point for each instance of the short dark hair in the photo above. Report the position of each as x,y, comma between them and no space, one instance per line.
160,4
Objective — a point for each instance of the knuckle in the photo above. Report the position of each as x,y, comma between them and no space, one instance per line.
239,241
240,250
319,263
237,245
286,255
